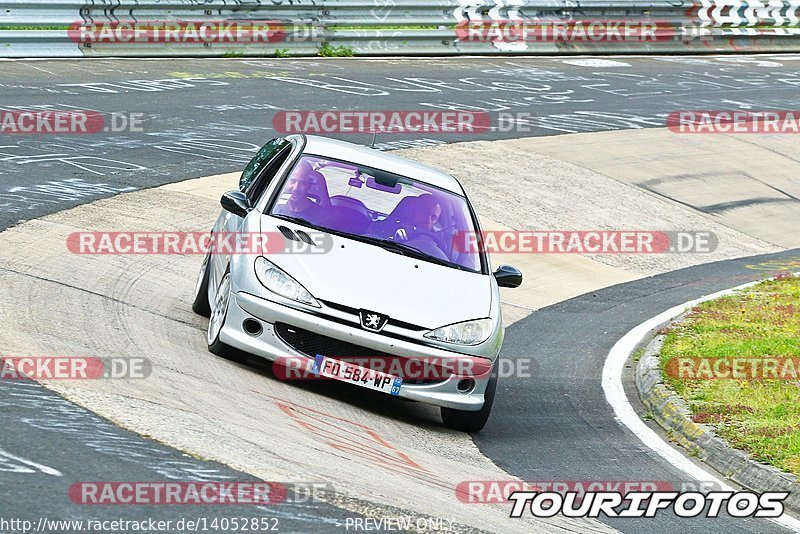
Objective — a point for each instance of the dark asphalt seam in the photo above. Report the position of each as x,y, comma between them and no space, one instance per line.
94,293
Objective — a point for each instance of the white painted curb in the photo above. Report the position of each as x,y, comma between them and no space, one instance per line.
615,395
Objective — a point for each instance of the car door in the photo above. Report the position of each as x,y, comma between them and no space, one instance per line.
255,177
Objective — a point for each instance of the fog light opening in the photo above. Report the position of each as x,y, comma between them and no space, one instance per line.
252,327
466,385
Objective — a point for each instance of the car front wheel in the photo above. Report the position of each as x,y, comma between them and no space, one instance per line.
464,421
219,312
200,304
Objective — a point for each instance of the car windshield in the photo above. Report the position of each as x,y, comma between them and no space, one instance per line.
395,212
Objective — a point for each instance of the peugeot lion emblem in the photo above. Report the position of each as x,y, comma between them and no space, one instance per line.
373,321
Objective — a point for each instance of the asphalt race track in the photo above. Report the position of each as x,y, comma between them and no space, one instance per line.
73,441
207,117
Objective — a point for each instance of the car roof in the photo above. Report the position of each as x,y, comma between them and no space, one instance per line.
370,157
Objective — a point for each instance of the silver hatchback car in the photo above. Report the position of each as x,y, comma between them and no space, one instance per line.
373,274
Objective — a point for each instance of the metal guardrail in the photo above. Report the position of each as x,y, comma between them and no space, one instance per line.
52,28
37,43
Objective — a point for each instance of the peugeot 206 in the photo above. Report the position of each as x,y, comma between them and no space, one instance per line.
386,286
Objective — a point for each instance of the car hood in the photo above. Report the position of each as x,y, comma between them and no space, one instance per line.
364,276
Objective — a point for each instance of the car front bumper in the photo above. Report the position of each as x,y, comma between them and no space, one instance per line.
269,345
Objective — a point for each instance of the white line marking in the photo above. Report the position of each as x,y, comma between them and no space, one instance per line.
43,468
518,305
595,62
615,395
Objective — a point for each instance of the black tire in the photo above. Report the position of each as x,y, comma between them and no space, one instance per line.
473,421
200,305
215,345
229,353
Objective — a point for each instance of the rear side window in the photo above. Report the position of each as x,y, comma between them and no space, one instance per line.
264,155
267,173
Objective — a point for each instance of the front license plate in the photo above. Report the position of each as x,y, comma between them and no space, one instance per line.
355,374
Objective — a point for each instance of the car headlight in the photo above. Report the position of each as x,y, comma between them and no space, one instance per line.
466,333
281,283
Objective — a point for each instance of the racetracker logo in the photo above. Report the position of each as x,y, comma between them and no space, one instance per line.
178,32
734,368
72,368
68,122
648,503
189,243
177,493
734,122
381,121
417,368
585,242
564,31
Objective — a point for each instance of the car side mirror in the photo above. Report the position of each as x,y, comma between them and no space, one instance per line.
508,276
236,202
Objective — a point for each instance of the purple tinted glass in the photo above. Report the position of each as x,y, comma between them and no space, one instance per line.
350,199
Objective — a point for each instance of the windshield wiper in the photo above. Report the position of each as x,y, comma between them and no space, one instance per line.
300,220
433,259
387,244
416,253
408,250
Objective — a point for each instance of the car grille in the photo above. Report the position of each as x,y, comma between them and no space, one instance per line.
311,344
354,313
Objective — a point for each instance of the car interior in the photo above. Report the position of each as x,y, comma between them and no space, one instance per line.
345,213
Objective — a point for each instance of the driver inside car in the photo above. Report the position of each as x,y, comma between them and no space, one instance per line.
420,232
424,216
